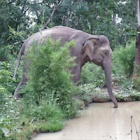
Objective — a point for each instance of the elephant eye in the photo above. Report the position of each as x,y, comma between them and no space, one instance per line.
106,52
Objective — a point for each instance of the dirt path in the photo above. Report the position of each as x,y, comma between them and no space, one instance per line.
100,122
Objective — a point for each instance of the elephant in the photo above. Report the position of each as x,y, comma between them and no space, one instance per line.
87,48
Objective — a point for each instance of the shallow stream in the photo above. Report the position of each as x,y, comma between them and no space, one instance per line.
100,121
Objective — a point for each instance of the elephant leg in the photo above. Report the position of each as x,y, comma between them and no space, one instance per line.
22,82
76,74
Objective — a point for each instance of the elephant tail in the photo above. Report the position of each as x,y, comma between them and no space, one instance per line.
21,52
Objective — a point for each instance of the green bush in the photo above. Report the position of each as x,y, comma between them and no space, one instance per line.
8,108
33,118
48,94
6,76
6,85
123,59
122,66
49,75
47,114
44,111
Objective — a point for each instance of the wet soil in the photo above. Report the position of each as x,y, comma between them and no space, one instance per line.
100,121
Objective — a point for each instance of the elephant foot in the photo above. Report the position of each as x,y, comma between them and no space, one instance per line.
114,101
115,104
17,96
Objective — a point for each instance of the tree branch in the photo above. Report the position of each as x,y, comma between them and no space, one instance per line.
8,3
56,5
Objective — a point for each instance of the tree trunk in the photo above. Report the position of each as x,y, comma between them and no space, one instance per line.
137,56
136,70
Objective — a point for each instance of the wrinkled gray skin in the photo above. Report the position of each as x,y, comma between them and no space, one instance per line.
88,47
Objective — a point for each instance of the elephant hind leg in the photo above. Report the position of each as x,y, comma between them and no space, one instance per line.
22,82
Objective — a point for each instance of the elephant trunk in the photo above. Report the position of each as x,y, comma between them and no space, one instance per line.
107,69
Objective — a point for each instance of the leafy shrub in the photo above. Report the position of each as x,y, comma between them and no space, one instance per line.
6,76
123,59
122,66
46,112
6,80
6,85
8,110
49,75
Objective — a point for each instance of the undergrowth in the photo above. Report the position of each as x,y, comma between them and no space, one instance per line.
47,97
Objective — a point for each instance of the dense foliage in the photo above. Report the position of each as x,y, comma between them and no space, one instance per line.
115,19
125,57
48,95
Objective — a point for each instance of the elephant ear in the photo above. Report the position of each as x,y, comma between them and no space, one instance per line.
90,46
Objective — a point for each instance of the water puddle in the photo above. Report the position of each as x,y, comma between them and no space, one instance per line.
101,122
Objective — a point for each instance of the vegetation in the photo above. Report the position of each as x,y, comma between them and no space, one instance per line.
48,96
49,75
115,19
47,103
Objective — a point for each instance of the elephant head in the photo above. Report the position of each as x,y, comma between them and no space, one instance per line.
97,50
